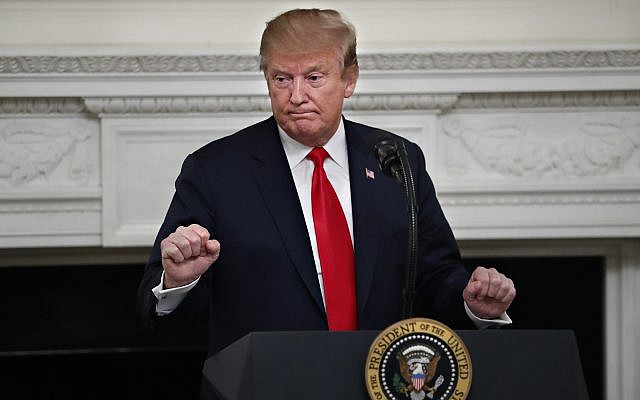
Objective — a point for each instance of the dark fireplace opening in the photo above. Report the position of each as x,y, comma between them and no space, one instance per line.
560,293
73,332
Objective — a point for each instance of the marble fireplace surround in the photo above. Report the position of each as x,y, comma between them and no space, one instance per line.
534,152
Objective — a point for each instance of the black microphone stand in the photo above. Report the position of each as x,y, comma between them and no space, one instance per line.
394,162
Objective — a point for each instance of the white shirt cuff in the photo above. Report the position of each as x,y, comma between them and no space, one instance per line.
482,323
169,299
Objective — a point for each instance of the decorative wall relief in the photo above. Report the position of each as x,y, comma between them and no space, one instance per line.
547,146
611,141
48,152
210,63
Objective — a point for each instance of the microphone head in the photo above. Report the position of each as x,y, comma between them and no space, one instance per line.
386,152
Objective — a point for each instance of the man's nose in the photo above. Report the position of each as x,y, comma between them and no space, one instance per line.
298,91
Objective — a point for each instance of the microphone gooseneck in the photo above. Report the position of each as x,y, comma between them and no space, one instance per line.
394,162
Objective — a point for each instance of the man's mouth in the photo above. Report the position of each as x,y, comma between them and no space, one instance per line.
301,113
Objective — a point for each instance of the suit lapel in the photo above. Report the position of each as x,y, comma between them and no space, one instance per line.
274,180
365,197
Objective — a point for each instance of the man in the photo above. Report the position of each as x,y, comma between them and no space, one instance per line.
248,234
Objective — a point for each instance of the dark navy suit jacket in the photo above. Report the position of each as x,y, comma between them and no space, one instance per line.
241,189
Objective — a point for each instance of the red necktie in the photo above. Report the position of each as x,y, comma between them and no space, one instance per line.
334,248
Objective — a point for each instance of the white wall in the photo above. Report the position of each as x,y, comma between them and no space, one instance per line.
235,26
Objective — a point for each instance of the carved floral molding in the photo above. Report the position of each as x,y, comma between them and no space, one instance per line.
126,64
630,98
176,105
42,105
387,102
237,104
502,60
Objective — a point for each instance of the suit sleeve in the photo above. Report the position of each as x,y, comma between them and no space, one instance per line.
441,275
188,206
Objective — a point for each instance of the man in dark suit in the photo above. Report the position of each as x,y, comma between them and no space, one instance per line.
242,234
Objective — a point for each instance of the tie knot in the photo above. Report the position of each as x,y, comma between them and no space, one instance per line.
317,155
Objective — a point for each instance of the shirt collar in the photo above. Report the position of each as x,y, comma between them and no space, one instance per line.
296,152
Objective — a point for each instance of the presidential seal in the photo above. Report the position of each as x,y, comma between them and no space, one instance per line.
418,359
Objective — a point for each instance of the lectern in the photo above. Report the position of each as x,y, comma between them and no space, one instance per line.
507,364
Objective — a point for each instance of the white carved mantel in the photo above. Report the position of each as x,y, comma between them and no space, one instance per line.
534,152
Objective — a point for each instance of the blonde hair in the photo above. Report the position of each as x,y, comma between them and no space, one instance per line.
307,30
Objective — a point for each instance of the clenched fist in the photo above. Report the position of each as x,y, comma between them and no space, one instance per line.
488,293
186,254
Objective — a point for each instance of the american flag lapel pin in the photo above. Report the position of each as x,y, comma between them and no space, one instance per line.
369,173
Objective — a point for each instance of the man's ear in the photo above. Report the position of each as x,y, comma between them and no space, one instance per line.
350,77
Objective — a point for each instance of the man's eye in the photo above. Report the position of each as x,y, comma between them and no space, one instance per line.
280,79
316,80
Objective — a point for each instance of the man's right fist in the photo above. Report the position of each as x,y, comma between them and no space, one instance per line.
186,254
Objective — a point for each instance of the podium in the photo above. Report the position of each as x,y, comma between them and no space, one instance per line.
507,364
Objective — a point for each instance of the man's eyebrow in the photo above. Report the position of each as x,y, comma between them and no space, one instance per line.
278,71
320,67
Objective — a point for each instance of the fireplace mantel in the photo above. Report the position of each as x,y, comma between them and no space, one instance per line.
539,145
534,143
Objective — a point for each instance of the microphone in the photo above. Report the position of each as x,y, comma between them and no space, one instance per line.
386,151
394,162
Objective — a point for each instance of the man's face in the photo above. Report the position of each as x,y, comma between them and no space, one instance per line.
307,91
